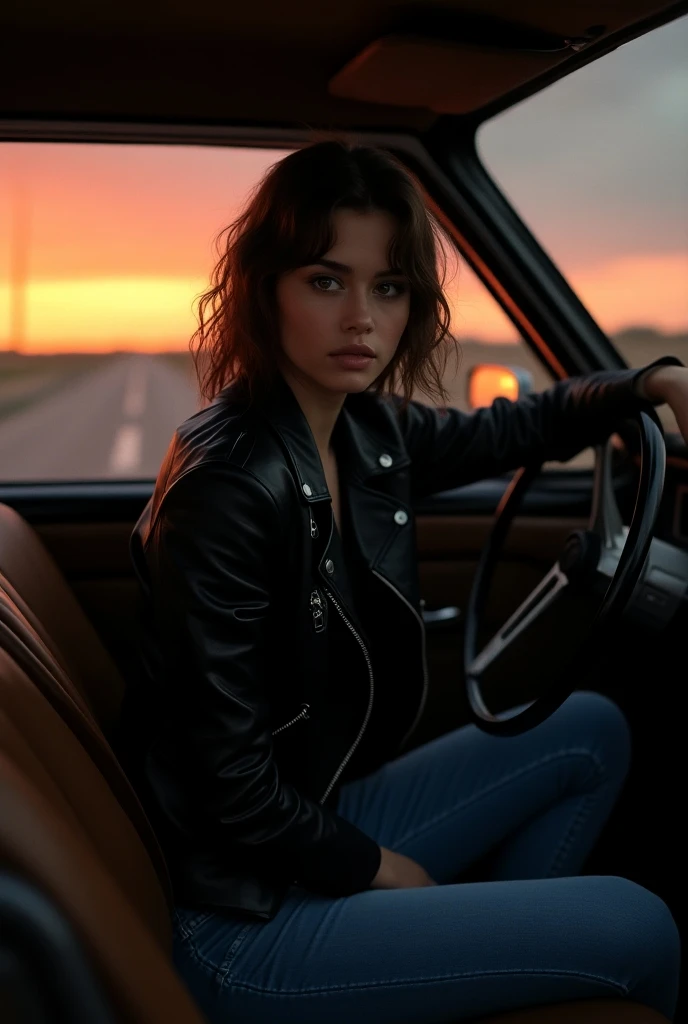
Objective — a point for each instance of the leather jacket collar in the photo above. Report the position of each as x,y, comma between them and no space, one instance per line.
368,448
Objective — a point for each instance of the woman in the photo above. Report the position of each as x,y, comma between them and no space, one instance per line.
314,869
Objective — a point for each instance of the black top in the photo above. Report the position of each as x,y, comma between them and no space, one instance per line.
349,578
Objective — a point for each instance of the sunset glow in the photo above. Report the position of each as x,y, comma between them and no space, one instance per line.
106,248
101,314
155,313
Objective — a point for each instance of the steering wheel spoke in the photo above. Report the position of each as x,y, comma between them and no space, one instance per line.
606,560
542,597
605,518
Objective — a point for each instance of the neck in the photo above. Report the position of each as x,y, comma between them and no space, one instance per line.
321,409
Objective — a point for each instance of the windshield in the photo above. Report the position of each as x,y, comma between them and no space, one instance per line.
597,166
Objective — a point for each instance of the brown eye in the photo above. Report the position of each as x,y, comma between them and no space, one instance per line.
400,289
314,281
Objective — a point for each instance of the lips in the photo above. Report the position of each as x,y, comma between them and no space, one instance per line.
354,350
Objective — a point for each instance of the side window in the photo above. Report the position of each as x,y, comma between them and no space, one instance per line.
103,249
597,165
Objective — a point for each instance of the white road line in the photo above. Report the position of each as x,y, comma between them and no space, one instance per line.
126,451
135,392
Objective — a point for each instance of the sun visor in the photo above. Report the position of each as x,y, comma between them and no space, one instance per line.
443,76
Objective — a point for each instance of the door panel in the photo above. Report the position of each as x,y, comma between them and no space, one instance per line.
94,558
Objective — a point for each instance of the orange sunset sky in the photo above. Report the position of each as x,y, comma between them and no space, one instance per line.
106,247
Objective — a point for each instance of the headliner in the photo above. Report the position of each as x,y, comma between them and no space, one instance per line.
271,63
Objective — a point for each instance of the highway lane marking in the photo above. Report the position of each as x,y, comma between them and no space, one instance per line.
135,392
126,451
125,456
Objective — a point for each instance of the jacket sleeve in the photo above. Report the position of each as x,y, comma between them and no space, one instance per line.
452,448
212,554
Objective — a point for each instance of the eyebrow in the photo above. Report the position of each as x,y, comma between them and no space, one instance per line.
344,269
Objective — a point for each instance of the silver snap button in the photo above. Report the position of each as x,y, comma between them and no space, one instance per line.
385,460
329,566
306,490
400,517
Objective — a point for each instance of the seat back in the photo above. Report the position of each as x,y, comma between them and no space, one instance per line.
34,583
62,831
37,664
47,753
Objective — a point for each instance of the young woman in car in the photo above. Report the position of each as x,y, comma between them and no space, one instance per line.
316,872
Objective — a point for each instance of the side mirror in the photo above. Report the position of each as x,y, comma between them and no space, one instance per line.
487,381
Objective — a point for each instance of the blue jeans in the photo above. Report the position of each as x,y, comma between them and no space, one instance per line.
529,809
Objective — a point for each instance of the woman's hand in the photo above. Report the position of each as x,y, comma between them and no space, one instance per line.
399,872
670,384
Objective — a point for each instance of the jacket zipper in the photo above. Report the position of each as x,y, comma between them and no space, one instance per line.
419,619
370,699
302,714
317,611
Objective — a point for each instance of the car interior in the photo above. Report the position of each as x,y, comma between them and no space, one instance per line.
85,897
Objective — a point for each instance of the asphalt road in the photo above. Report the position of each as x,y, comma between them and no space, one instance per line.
112,423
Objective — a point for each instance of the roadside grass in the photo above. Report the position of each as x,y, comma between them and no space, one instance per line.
26,380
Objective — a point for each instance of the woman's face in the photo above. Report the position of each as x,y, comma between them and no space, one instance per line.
355,299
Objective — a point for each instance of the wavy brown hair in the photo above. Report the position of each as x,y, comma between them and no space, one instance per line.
287,223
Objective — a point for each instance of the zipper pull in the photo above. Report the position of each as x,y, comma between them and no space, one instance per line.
317,612
303,714
314,527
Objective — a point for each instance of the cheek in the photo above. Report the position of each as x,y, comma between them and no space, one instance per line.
396,321
303,316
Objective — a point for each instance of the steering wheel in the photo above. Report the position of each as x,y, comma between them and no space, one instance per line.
606,552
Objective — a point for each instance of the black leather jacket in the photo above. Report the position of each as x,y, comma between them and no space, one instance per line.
239,592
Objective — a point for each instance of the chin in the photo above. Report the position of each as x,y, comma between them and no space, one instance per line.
351,383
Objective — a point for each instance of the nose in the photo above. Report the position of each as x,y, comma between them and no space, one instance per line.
357,318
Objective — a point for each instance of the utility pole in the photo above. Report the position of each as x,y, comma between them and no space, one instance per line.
19,261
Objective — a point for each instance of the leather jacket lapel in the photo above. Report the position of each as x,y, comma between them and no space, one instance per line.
285,416
367,456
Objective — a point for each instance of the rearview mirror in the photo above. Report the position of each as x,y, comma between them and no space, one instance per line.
487,381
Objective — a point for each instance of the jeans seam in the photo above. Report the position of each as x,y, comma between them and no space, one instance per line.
177,924
533,766
207,965
223,970
432,979
187,933
566,843
218,973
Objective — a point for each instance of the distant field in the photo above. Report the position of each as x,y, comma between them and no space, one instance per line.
640,346
25,380
180,360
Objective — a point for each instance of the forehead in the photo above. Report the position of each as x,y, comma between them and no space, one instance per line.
368,234
371,221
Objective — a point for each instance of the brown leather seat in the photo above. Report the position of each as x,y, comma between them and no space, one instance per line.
33,581
71,826
19,639
39,742
62,830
